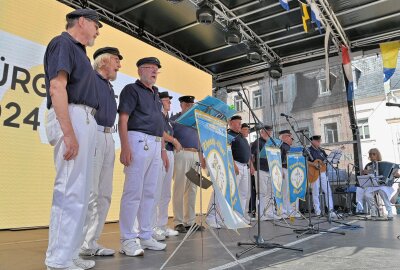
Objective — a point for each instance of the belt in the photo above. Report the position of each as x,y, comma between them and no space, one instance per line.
191,150
105,129
88,109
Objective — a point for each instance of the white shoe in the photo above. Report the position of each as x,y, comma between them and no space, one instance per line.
84,264
270,217
297,215
170,232
72,267
390,215
131,247
158,234
99,251
152,244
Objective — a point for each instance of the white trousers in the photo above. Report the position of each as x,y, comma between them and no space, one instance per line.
140,185
266,195
326,189
184,191
243,185
100,194
71,189
163,194
369,194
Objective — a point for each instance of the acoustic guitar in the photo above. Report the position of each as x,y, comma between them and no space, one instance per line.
314,169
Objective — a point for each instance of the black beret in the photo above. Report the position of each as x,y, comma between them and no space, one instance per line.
315,138
87,13
164,95
285,131
236,117
187,99
245,125
149,60
110,50
267,127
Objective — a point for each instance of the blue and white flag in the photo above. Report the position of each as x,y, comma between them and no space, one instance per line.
213,140
275,170
296,164
284,4
315,14
234,194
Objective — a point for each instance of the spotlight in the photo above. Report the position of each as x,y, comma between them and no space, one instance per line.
233,35
175,1
253,52
275,71
205,14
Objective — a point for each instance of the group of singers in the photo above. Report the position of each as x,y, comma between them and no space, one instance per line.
154,150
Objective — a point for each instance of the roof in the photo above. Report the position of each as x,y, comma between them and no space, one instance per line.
361,24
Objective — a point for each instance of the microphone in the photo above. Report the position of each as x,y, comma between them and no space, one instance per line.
390,104
286,115
233,90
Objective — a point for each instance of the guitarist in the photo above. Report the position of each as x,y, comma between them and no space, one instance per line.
318,166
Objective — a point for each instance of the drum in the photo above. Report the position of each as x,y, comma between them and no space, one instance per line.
387,170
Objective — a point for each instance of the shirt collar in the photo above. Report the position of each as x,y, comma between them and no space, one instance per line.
67,35
154,88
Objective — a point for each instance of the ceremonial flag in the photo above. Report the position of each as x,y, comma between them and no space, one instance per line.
305,17
213,140
275,170
284,4
328,41
389,51
315,15
348,73
296,165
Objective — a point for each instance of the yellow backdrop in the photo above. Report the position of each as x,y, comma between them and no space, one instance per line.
26,158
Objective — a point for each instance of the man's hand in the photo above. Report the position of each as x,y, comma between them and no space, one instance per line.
252,170
71,146
177,145
236,168
126,156
203,163
165,160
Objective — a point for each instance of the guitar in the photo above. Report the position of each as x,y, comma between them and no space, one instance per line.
314,169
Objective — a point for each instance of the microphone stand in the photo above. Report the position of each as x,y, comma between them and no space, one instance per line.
311,228
259,241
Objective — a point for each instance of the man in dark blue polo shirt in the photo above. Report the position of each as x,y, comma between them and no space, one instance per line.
267,208
184,191
141,127
106,64
242,161
71,128
319,154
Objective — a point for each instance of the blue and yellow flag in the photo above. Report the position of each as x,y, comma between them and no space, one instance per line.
297,179
389,51
275,170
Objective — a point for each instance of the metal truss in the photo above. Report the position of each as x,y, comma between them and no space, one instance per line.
128,27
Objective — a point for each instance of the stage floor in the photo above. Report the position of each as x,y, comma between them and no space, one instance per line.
373,246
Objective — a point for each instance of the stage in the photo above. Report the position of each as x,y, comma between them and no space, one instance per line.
373,246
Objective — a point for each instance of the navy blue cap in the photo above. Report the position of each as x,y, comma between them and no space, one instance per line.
110,50
164,95
149,60
87,13
267,127
236,117
285,131
316,138
187,99
245,125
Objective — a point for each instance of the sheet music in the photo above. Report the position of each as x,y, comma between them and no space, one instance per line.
334,156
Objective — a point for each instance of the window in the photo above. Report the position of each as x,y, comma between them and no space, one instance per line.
257,99
238,103
278,94
331,133
323,91
363,128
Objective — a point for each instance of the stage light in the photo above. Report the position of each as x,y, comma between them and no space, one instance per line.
205,14
275,71
253,52
175,1
233,35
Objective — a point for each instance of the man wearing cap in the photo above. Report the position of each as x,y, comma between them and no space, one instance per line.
141,127
319,154
267,210
184,191
163,193
242,160
106,64
253,193
287,140
71,129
